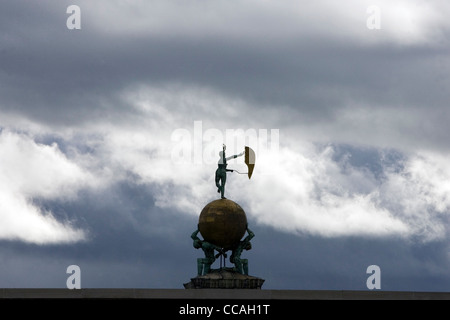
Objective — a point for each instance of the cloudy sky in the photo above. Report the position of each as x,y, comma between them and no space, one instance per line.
109,136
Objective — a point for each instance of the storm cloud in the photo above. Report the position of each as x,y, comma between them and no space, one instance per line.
89,120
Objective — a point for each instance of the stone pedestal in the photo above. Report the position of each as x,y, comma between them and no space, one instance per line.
224,278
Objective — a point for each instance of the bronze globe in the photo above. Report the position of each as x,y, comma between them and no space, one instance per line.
223,223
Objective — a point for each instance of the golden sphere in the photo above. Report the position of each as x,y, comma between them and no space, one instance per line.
223,223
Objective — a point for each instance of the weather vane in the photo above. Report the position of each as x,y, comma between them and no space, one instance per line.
221,172
223,224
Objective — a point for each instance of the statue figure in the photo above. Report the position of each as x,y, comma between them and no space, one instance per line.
204,264
221,172
241,265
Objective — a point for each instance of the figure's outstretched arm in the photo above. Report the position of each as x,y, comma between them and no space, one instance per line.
236,155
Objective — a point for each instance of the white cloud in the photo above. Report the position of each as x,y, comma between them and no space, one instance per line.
307,191
30,171
314,194
415,22
420,194
311,194
299,188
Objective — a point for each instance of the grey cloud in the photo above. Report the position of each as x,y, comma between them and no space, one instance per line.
322,88
56,76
